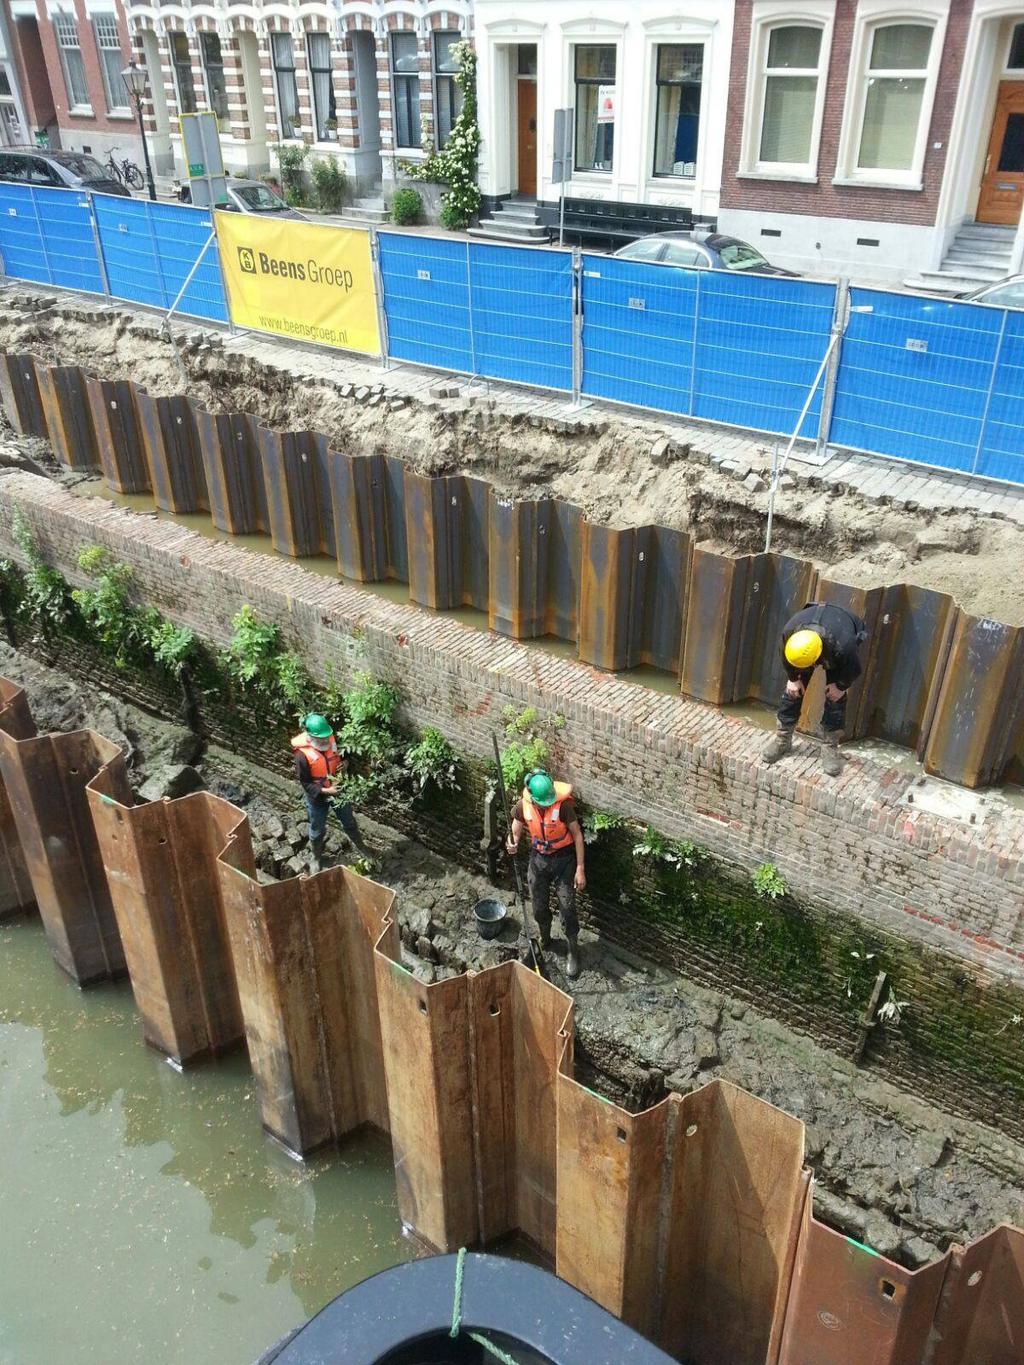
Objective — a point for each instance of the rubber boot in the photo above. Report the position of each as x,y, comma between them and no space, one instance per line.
831,758
544,935
781,744
317,845
572,961
355,838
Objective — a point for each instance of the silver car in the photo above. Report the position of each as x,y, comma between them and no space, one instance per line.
1008,293
250,196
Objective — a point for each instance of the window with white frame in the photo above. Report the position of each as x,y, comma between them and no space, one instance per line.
112,63
447,95
679,80
594,69
213,69
66,31
181,60
790,79
282,54
325,106
894,83
405,81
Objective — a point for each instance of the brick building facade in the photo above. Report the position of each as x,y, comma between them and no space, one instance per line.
366,84
62,77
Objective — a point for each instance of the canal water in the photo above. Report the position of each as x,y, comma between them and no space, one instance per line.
144,1214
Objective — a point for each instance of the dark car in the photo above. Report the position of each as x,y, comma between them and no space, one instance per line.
713,251
57,170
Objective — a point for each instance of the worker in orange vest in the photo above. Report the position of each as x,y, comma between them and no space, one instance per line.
546,810
317,764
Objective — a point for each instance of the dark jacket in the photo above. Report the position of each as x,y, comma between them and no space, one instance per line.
841,635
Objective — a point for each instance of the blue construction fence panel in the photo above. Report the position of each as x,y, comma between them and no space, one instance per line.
149,249
521,301
46,235
916,377
1001,455
426,300
501,312
738,349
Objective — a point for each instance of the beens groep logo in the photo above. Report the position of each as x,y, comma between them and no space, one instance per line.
310,271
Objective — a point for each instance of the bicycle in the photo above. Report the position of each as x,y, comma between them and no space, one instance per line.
125,172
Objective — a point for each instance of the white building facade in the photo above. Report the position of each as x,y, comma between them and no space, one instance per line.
648,81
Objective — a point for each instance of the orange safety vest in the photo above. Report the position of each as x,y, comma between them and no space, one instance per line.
322,762
548,831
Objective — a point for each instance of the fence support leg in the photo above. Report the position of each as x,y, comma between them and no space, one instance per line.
577,328
101,260
840,317
180,295
378,292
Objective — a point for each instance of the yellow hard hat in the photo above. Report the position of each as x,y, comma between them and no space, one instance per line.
803,648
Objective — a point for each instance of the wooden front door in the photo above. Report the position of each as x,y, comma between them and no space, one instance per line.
527,137
1002,186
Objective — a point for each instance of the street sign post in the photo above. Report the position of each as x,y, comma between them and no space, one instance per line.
201,146
561,166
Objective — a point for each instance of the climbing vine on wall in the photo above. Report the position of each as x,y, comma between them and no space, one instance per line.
455,165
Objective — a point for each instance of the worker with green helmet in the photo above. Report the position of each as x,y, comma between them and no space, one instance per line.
317,764
546,810
818,636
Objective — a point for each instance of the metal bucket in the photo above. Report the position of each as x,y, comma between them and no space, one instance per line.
490,918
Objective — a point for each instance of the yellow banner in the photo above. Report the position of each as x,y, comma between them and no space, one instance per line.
299,280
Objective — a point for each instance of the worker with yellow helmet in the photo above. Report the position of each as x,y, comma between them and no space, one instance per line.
818,636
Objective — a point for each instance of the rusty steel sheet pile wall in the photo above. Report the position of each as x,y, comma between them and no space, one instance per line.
946,684
161,863
46,778
16,894
303,959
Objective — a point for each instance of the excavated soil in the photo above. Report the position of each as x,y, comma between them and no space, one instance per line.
895,1173
616,467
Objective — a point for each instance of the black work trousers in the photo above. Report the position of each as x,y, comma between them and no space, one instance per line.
558,869
832,718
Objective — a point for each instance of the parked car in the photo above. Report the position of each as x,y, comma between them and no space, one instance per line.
1008,293
57,170
715,251
249,196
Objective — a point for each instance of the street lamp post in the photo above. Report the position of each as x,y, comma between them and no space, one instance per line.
135,81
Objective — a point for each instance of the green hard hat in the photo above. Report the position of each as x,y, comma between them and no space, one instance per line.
541,789
317,727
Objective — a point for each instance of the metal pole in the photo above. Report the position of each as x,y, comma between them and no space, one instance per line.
840,316
693,347
232,329
145,148
101,260
42,236
469,302
781,465
378,294
988,397
577,325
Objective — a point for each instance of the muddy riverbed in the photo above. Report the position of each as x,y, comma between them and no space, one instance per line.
893,1172
610,463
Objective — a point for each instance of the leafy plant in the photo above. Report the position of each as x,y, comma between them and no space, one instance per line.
769,882
596,822
406,207
893,1010
250,658
330,184
672,852
525,749
455,165
293,683
292,160
368,730
432,760
107,609
173,647
46,595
